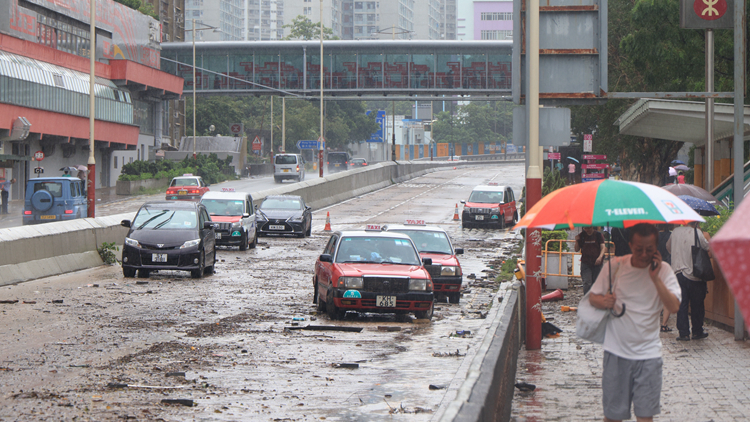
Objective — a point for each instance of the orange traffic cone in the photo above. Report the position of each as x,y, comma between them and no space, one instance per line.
328,222
455,213
556,295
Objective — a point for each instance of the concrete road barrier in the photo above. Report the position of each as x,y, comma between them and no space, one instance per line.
31,252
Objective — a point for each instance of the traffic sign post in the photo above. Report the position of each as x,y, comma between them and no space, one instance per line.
236,128
38,156
308,144
321,149
257,144
588,141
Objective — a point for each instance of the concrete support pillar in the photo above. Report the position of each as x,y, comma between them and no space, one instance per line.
698,167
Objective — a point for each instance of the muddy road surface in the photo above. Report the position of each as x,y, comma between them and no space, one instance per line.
232,346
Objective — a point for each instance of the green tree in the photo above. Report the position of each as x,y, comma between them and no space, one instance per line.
475,122
303,28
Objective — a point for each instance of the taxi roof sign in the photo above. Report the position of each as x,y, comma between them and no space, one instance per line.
187,174
373,227
492,184
410,222
227,189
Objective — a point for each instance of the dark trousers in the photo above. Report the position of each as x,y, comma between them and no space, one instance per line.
589,273
693,296
5,201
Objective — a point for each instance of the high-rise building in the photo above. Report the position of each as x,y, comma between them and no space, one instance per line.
332,16
236,20
484,20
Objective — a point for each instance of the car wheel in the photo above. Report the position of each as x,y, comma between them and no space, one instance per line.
515,218
464,225
143,273
277,179
299,178
309,230
198,273
334,312
128,272
502,221
255,240
243,242
454,297
425,314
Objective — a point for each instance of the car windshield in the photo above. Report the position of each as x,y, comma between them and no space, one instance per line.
54,188
224,206
281,204
286,159
377,250
485,197
165,219
428,241
184,182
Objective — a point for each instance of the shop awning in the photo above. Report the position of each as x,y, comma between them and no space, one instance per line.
679,120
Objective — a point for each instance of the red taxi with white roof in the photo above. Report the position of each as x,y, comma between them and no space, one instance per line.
233,215
434,243
187,187
372,271
491,206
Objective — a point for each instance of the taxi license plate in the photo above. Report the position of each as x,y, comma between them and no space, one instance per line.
385,301
273,227
158,257
182,192
48,217
286,170
479,217
335,165
217,235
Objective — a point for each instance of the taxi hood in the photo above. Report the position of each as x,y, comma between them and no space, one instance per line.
441,259
225,218
481,205
392,270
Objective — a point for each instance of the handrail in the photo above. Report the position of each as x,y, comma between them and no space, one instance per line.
559,253
724,192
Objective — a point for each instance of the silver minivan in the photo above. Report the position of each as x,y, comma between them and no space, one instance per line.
288,166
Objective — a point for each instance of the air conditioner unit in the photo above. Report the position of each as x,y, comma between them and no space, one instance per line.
166,37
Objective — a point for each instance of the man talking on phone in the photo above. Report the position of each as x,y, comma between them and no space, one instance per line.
641,286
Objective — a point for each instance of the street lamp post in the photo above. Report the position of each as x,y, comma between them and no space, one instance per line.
91,176
322,138
193,29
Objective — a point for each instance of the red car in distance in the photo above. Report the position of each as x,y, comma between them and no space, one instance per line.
490,206
372,271
187,187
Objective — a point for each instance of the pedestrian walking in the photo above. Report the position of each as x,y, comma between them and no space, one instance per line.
632,369
680,178
591,245
664,234
5,193
571,173
671,176
620,239
693,290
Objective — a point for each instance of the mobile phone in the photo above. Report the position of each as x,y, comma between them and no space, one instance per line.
653,265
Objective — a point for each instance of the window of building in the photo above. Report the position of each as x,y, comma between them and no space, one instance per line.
358,5
115,161
307,10
497,35
497,16
370,5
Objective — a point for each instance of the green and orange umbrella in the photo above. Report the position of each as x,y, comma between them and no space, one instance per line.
606,202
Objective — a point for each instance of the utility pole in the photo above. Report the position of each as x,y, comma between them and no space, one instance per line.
91,177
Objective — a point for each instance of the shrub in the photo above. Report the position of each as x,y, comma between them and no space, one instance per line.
713,224
554,234
209,167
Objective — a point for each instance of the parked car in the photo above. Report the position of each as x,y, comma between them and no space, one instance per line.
187,187
233,215
434,243
284,214
169,235
358,162
338,161
372,271
490,205
54,199
288,166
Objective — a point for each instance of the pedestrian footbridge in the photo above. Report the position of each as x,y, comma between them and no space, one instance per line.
351,68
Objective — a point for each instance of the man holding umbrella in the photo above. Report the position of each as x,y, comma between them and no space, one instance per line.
632,370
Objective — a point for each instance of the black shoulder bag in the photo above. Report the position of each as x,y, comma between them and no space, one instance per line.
702,268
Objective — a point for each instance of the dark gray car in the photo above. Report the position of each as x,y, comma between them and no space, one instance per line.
283,214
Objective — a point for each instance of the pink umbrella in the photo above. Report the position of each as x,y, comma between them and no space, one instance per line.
731,247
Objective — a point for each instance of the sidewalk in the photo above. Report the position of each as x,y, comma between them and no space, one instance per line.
703,380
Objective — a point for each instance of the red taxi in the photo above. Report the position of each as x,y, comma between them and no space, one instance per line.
187,187
491,206
433,242
372,271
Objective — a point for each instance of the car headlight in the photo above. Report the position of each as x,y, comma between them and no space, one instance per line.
132,242
351,282
418,284
295,219
449,270
190,243
237,225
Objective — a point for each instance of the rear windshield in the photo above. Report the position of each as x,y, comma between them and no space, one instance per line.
281,204
165,219
286,159
482,197
185,182
54,188
336,158
429,242
224,206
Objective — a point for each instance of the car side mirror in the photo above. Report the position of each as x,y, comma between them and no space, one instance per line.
208,225
426,261
307,207
246,215
326,258
459,251
125,223
462,201
256,207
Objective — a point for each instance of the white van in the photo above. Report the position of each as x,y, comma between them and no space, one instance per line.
288,166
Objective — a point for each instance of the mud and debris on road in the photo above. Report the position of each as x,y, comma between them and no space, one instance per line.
245,343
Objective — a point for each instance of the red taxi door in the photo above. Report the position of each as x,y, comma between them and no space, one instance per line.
324,270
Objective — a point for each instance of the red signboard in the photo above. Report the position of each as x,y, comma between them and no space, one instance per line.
256,144
710,9
594,157
39,156
595,175
553,155
594,166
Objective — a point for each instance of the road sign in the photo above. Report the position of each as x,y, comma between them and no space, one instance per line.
594,166
236,128
308,145
38,170
588,141
256,144
706,14
594,157
553,155
39,156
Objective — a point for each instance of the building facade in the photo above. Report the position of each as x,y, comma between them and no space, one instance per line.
44,88
485,20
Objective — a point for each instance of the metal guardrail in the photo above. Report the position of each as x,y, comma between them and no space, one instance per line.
725,191
478,157
559,253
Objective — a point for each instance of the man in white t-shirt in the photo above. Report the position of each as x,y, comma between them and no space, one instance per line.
632,348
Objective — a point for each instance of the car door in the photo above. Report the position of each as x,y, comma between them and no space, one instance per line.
208,236
249,222
306,214
324,270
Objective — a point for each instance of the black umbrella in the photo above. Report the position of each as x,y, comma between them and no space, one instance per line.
698,205
674,162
